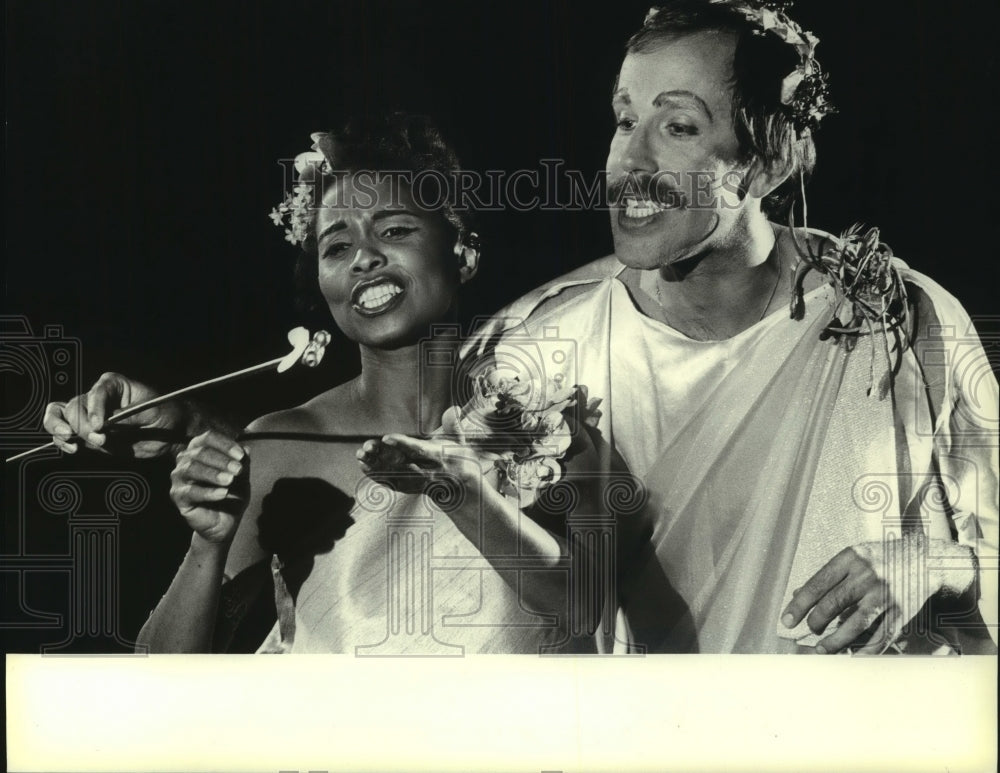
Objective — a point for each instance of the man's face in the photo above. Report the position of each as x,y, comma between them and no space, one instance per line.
674,150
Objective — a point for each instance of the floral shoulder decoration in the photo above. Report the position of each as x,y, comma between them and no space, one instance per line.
523,426
805,90
870,293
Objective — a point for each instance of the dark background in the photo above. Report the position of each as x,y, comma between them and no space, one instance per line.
143,139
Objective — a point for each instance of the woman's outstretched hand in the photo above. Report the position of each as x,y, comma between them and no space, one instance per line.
84,417
407,464
210,486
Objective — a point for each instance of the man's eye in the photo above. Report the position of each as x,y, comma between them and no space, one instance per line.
682,130
626,124
336,250
397,232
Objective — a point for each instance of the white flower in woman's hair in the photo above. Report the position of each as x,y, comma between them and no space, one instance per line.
310,160
297,207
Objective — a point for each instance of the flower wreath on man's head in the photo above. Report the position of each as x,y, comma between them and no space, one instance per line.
804,91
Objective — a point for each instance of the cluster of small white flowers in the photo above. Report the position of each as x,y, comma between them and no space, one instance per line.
295,213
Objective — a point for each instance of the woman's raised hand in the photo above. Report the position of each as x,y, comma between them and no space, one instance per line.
210,485
84,417
407,464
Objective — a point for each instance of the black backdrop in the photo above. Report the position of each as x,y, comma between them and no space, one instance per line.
143,139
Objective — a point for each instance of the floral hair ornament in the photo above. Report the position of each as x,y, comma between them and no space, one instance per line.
805,90
295,212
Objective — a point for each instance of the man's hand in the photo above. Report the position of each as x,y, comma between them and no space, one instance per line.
875,589
85,416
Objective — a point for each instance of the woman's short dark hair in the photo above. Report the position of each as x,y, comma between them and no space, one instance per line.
396,142
764,126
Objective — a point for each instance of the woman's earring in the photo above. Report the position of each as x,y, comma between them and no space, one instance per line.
467,248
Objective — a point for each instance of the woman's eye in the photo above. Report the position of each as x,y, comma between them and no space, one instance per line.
336,250
397,232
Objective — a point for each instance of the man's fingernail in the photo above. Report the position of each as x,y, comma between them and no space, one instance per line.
95,439
788,621
820,649
234,467
224,478
237,452
389,441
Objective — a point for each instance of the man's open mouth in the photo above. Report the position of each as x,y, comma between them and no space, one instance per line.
636,213
639,208
376,296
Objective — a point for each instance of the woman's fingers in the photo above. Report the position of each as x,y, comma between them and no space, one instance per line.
197,471
54,422
415,448
62,445
368,452
217,441
209,485
209,460
188,495
107,393
78,419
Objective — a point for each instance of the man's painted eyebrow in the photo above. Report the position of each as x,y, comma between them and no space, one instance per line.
666,96
622,95
382,214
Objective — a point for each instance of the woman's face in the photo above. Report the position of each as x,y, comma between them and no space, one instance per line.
387,268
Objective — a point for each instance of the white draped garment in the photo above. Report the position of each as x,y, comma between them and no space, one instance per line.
764,455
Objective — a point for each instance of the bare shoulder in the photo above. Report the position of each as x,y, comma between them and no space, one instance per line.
327,412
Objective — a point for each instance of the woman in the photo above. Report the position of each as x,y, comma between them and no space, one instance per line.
359,566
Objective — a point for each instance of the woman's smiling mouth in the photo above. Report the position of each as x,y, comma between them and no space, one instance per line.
376,296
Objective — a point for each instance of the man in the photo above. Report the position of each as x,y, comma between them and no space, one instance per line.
816,484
